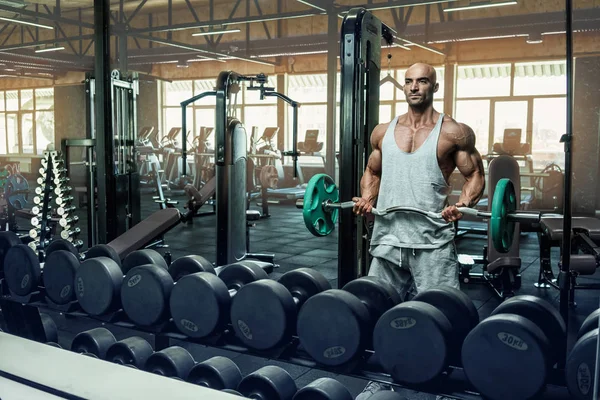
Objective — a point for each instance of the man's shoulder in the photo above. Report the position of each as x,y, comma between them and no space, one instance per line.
456,130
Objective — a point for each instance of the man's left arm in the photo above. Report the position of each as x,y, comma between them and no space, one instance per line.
469,163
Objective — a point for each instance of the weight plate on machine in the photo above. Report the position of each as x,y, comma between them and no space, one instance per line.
544,315
460,311
59,275
143,257
412,342
187,265
133,351
198,304
502,347
62,244
581,366
8,239
591,322
333,327
22,269
217,373
320,189
504,202
98,285
145,294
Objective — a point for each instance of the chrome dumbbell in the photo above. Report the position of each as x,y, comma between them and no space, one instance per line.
66,234
40,190
65,222
62,190
36,233
37,221
65,210
61,180
64,200
40,199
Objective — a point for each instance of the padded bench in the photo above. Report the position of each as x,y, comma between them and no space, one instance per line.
553,227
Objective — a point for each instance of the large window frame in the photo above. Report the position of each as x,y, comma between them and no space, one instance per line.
14,111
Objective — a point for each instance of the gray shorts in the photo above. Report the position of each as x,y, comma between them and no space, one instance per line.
412,271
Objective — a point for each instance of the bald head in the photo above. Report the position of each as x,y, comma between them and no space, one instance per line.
420,84
421,70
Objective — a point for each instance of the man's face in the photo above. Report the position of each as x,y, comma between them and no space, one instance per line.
419,87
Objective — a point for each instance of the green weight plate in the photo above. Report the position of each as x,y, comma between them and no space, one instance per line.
504,203
320,188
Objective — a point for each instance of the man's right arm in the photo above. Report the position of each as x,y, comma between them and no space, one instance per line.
369,183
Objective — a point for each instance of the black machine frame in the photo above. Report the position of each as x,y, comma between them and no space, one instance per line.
360,60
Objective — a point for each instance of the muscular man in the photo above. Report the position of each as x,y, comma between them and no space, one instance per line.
413,157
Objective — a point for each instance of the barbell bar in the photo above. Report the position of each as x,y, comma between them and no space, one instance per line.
321,206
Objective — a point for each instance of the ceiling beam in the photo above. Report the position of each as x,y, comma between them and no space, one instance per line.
50,17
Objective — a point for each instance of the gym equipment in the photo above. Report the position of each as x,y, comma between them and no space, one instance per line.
268,383
132,351
94,342
417,340
200,302
219,373
173,361
263,313
580,369
320,210
524,335
98,281
145,294
387,395
335,326
323,389
59,270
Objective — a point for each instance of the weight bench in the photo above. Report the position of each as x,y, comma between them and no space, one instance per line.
144,233
199,197
585,237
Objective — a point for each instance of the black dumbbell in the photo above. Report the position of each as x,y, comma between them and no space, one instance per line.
172,362
8,239
94,342
50,329
200,302
526,336
580,368
335,326
133,351
590,323
147,288
416,341
24,272
219,373
324,389
263,313
268,383
98,280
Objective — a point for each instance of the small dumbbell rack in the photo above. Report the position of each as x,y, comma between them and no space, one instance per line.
53,203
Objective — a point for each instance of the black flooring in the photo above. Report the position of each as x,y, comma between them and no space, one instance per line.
284,235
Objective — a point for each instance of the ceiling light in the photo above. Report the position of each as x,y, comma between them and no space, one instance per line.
481,4
216,32
18,21
534,38
48,49
375,7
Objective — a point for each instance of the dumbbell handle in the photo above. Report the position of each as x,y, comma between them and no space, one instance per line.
64,222
64,200
67,234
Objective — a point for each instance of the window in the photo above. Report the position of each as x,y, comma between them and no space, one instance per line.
509,115
549,123
483,80
26,121
476,114
540,78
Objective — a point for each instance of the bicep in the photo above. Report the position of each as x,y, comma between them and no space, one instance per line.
374,162
467,157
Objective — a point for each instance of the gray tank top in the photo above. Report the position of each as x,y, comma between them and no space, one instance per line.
413,180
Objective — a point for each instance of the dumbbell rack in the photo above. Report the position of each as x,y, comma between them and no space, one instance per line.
53,185
452,384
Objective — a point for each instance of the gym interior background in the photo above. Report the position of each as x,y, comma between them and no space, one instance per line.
501,66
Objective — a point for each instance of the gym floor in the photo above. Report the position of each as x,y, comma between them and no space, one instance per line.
284,235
